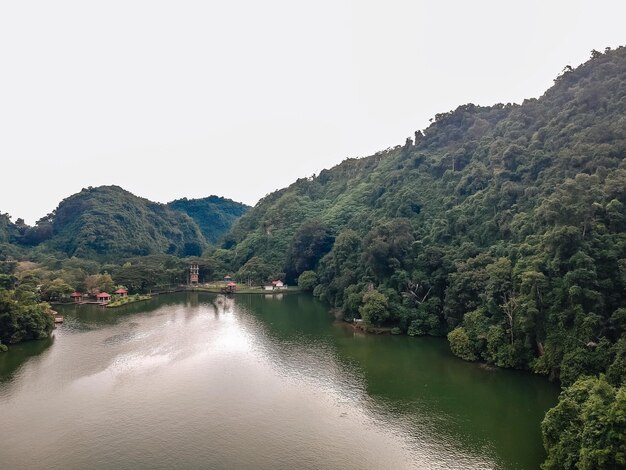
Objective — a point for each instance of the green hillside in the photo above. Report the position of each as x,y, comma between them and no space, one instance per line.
504,225
214,215
109,223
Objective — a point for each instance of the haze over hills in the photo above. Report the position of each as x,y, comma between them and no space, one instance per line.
108,223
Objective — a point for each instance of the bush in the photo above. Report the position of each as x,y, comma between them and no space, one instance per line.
396,331
307,281
3,348
375,308
460,344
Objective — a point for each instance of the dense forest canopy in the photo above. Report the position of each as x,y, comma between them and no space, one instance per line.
214,215
502,227
107,223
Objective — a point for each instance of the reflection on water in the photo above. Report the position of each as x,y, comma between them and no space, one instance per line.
201,381
20,353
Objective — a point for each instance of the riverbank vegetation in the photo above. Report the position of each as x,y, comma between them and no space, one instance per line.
129,299
502,228
22,315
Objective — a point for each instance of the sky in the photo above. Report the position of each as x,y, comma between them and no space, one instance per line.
172,99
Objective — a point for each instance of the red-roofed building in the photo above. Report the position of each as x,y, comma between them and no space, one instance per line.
103,297
121,292
230,288
77,296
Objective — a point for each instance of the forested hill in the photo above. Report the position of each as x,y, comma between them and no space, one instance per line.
504,225
110,223
214,215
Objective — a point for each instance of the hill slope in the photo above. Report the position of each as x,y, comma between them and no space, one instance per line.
109,223
214,215
504,225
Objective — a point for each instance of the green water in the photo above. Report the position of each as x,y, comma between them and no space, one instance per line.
203,381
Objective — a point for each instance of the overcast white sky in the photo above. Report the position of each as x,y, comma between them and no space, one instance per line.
238,98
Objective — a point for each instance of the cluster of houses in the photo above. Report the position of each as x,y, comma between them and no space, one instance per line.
101,298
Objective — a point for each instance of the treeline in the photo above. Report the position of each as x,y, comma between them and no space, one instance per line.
26,286
55,279
502,228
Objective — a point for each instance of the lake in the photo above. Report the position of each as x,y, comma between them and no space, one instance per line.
195,380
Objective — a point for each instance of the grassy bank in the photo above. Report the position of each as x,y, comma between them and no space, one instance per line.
128,300
243,289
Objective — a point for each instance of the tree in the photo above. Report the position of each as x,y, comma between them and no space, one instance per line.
312,241
23,318
585,430
56,290
375,308
97,283
256,270
460,344
307,281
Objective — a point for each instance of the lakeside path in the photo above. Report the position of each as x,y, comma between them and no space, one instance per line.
241,289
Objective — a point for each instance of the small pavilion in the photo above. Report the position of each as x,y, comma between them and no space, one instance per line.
76,296
121,292
230,288
103,297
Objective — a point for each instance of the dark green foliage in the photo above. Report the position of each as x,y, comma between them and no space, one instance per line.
8,230
147,272
375,309
258,271
312,241
307,281
108,223
503,227
587,429
506,220
22,316
214,215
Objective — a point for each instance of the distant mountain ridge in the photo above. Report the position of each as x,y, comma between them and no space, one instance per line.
214,215
108,223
